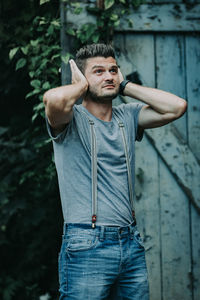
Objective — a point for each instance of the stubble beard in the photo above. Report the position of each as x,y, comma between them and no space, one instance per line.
91,94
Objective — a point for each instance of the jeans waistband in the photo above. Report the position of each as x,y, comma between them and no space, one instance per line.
101,231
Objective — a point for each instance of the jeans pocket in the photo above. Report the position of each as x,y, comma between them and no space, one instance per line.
138,239
77,243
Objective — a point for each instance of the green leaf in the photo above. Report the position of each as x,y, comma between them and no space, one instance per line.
77,8
20,63
34,43
55,56
116,24
31,74
36,83
130,23
44,1
95,37
55,23
25,50
70,31
39,106
122,1
46,85
114,17
54,71
34,117
32,93
50,29
13,52
109,3
65,58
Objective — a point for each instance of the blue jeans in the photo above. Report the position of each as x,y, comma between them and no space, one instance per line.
105,263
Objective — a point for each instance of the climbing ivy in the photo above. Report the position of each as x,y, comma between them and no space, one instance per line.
41,56
108,14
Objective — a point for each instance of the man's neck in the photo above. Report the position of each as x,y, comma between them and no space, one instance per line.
101,110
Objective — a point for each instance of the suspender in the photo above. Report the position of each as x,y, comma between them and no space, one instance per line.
94,173
121,126
94,170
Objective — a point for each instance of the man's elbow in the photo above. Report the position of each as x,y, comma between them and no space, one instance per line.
181,108
53,101
48,97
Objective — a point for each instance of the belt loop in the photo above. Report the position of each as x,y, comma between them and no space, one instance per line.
102,231
132,230
64,229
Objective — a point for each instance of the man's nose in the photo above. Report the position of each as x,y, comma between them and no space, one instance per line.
108,76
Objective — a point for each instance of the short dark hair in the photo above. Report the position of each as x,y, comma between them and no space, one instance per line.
93,50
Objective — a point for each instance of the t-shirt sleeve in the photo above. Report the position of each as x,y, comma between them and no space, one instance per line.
58,138
132,111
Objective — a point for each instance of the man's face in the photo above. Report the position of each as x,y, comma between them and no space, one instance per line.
103,78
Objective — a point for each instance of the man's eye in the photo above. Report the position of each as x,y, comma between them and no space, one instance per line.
98,71
113,71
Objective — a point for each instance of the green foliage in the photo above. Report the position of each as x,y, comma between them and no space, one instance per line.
30,212
108,18
41,56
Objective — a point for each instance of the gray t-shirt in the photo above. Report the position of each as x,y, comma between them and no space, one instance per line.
73,163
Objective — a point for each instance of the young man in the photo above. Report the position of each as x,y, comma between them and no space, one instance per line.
102,256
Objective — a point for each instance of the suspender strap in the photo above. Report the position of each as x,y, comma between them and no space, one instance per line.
121,126
94,173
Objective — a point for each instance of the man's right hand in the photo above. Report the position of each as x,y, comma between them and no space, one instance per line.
59,101
77,75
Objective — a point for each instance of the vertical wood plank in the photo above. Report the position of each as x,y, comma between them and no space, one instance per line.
148,212
171,71
193,90
175,218
137,55
175,236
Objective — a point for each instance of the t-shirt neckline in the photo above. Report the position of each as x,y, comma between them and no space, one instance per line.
94,117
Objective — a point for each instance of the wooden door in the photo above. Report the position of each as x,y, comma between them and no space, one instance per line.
167,213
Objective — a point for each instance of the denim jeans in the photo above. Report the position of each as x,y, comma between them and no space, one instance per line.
102,263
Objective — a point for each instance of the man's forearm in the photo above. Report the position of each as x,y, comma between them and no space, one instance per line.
59,102
160,101
63,96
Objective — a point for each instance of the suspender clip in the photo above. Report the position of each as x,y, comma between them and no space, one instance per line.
121,124
91,122
94,219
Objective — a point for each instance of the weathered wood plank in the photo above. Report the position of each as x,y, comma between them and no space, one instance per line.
175,238
136,55
193,90
174,203
151,17
170,66
179,159
67,45
195,270
148,212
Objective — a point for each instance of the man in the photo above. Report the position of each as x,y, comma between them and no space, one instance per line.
102,255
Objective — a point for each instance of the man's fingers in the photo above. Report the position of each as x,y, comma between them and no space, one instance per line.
121,77
71,62
77,75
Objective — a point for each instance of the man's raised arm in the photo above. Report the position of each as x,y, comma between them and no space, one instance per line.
59,101
162,107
